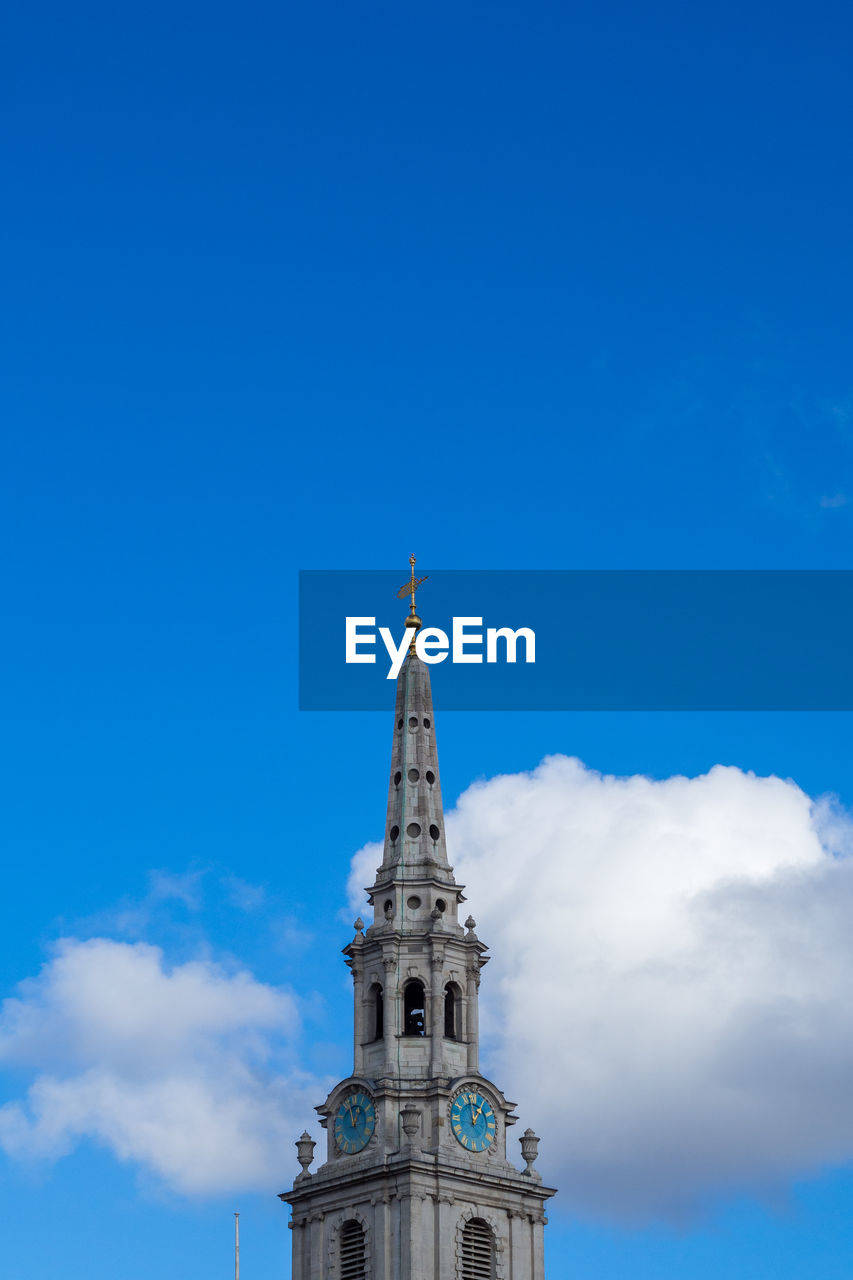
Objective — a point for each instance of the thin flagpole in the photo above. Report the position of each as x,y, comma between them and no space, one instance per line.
236,1246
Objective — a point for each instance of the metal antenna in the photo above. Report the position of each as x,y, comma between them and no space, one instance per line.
236,1246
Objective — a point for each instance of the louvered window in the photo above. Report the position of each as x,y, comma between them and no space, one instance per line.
352,1251
478,1251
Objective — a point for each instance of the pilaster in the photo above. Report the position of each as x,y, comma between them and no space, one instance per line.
472,976
437,1009
358,1018
391,1012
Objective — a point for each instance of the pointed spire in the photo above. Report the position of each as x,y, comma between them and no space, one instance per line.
414,829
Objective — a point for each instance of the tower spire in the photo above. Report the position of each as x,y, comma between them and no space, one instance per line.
414,830
417,1180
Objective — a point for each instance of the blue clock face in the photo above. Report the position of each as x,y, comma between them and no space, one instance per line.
473,1121
354,1123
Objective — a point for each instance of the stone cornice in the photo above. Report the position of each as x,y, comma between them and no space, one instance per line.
395,1176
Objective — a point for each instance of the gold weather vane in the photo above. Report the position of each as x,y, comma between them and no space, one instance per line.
409,590
411,587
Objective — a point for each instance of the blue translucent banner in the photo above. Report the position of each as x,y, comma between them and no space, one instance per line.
601,640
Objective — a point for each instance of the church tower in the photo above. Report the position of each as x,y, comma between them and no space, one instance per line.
416,1184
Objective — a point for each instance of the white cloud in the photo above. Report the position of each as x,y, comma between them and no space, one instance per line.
189,1072
669,994
668,999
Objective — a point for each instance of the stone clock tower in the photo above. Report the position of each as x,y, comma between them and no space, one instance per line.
416,1184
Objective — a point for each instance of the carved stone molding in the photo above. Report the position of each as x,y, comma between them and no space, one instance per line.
497,1237
335,1225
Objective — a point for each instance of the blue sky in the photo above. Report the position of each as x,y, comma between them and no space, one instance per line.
560,287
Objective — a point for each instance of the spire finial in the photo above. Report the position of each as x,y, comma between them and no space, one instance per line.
409,589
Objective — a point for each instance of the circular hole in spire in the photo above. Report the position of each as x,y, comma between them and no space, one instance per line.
434,831
397,776
389,905
413,903
441,904
400,723
393,833
413,775
430,776
413,830
426,723
413,722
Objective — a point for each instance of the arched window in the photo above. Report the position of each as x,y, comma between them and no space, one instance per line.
451,1013
478,1251
376,1019
414,1010
353,1266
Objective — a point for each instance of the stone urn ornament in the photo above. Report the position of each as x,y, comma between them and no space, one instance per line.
411,1121
529,1152
305,1154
